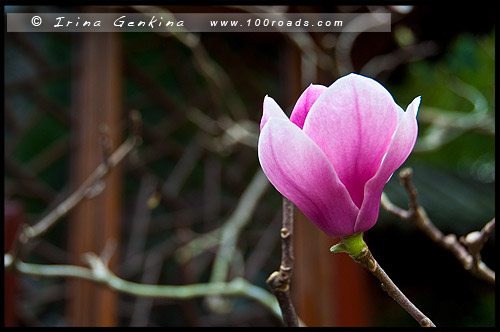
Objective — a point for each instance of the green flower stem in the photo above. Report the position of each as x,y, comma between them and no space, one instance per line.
358,250
352,244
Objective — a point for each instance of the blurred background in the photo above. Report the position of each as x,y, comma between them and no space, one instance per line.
68,99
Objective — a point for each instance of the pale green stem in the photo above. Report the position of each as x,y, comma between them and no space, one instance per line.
101,274
235,224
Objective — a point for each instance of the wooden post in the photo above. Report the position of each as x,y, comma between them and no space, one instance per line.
95,222
329,289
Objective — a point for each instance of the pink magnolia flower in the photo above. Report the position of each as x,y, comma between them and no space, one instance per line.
339,148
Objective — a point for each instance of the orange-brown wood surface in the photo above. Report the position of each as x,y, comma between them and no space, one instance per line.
327,289
95,221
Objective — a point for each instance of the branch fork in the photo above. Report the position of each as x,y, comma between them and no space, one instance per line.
466,249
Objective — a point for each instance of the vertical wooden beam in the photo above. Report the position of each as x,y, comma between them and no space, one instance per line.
95,222
313,282
352,291
328,289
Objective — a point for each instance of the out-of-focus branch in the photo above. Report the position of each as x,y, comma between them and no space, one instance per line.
345,42
99,273
236,222
388,62
279,281
225,132
231,231
83,191
238,219
446,125
466,249
220,82
89,188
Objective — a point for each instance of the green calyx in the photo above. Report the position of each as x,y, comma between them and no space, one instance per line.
352,244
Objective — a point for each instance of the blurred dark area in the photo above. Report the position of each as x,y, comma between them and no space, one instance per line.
200,100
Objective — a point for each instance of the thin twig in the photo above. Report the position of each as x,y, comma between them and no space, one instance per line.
221,86
232,228
92,185
260,253
140,218
466,249
69,203
356,247
367,260
235,224
279,281
153,264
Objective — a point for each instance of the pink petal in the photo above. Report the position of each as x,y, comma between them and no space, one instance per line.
300,171
401,146
353,122
304,103
271,109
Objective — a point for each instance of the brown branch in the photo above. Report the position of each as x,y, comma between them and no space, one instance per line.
84,190
279,281
466,249
474,242
367,260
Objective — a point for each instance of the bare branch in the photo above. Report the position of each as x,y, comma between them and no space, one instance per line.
99,273
367,260
466,249
92,186
232,228
279,281
69,203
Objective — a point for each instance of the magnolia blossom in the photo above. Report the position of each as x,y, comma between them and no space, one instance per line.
339,148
